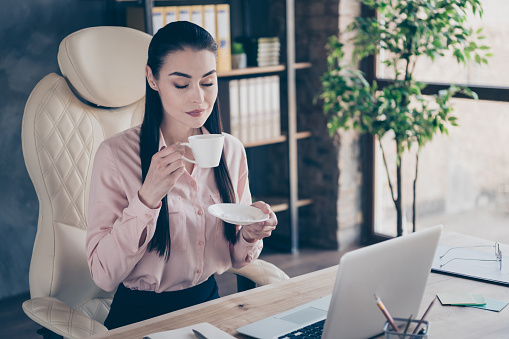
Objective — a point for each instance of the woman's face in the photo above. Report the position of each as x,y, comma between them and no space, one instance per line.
187,85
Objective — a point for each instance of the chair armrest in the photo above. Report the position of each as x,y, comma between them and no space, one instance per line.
261,272
56,316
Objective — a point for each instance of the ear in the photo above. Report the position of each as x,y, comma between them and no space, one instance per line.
150,78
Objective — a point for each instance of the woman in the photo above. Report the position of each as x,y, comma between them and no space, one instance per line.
149,232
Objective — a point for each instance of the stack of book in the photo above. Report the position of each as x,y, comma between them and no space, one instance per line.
255,109
268,51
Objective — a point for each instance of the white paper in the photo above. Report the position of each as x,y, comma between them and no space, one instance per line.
206,329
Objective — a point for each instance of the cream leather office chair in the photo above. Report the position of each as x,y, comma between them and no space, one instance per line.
65,120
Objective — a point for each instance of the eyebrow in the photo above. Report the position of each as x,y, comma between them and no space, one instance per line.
189,77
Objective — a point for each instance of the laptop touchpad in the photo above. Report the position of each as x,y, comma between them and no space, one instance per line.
305,316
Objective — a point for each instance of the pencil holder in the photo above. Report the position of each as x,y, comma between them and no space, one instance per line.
402,324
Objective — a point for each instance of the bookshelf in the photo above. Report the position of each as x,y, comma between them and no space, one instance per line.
286,203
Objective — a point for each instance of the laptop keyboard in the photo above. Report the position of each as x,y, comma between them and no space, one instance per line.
310,331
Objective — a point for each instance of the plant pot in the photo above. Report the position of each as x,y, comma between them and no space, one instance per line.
239,61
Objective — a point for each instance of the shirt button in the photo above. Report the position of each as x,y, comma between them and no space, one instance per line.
149,216
200,212
198,271
193,183
201,242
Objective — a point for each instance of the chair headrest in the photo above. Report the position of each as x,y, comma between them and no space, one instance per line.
106,65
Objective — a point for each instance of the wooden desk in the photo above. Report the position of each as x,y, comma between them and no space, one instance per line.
234,311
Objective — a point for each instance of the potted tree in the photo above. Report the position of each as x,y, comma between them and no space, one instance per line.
407,31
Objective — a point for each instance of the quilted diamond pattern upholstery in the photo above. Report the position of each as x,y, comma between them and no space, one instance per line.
61,319
64,142
97,308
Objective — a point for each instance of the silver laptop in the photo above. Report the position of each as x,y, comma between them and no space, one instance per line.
396,270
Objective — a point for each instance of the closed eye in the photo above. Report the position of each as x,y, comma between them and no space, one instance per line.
185,86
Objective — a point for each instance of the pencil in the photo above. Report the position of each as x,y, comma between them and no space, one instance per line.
408,323
386,314
423,316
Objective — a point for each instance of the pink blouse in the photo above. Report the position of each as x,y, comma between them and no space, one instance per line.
117,218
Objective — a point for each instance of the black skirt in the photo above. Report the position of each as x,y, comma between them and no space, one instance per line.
130,306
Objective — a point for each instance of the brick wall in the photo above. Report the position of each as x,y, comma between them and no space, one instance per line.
329,167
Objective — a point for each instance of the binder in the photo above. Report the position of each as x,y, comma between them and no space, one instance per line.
209,20
252,110
244,110
234,108
170,14
275,107
157,18
259,109
184,13
470,269
197,15
267,108
224,58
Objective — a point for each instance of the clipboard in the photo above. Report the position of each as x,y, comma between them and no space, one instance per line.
486,271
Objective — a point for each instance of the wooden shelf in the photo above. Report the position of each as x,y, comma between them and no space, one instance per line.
281,138
280,205
260,70
304,135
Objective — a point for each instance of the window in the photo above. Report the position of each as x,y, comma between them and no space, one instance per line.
463,179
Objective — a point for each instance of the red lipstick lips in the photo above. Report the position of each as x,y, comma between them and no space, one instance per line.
196,112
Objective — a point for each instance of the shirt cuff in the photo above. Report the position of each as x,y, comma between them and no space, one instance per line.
147,217
252,249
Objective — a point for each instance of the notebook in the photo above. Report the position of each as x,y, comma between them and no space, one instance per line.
396,270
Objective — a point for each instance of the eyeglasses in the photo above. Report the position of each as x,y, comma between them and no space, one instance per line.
498,254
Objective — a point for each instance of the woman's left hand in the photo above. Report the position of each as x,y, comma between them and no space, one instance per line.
260,230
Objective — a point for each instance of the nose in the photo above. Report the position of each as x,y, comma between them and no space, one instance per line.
197,95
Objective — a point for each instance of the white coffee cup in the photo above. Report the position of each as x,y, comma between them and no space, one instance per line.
207,149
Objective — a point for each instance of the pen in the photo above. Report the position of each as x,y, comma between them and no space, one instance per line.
386,314
423,316
199,335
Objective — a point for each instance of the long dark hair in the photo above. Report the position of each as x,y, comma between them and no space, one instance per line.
178,36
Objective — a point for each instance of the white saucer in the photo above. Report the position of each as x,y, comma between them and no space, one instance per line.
238,214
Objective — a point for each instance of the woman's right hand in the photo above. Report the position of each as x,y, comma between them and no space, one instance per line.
165,169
